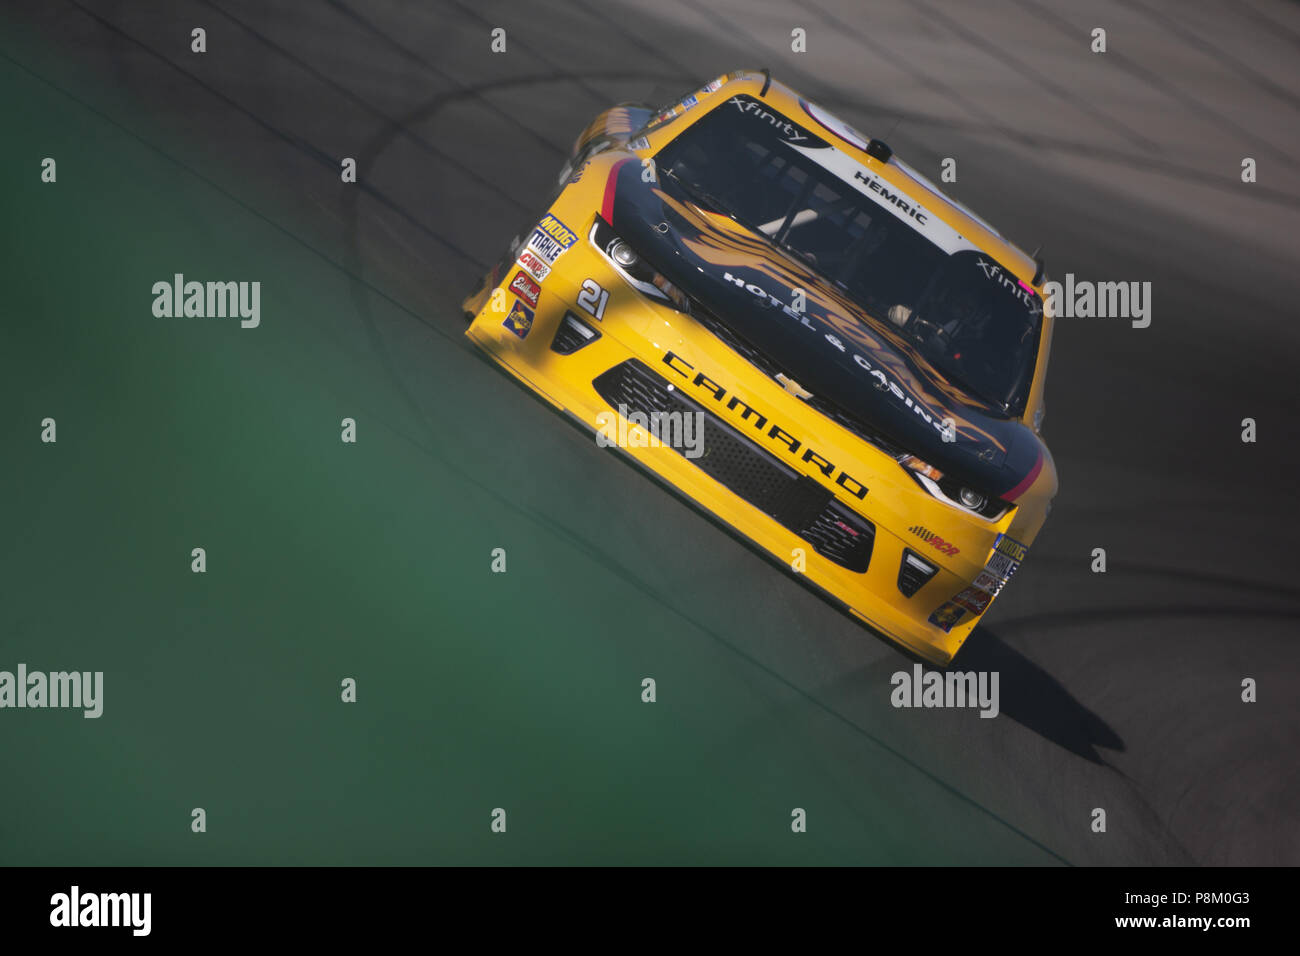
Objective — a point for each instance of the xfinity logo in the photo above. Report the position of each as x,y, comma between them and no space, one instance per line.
102,909
1022,292
780,124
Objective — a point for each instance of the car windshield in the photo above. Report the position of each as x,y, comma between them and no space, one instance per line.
967,315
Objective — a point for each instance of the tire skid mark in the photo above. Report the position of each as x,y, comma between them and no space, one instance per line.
307,149
1155,81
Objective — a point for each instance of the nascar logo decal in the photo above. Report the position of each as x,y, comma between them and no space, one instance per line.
934,540
520,319
551,238
524,287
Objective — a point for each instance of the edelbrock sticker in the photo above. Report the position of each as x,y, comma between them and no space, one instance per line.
523,286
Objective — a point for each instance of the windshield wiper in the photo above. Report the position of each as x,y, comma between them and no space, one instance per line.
701,197
970,389
802,257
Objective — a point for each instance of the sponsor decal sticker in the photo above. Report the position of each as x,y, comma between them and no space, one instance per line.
639,143
520,319
523,286
531,263
928,536
557,231
890,198
1011,548
544,247
946,615
1001,566
1025,295
973,600
550,239
1005,560
899,200
987,582
790,132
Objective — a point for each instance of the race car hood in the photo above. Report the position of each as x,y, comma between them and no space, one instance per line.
831,348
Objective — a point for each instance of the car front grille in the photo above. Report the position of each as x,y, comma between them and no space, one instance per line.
769,367
797,502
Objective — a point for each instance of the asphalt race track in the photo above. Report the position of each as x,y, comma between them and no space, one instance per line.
1120,690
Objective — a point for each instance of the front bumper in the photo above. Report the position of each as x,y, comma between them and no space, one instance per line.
819,499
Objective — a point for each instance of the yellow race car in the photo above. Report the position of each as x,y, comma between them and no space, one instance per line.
804,337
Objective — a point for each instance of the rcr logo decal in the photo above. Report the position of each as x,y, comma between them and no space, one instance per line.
932,539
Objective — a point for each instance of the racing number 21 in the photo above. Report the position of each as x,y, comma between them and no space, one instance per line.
593,298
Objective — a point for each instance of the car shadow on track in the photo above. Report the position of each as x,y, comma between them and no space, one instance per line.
1036,700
